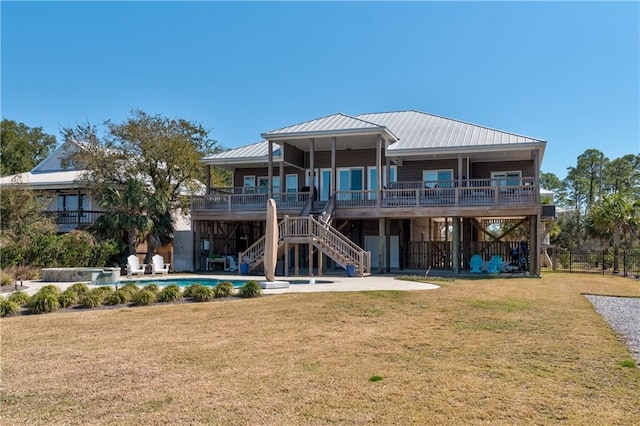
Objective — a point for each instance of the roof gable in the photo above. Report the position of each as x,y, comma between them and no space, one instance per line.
332,123
55,162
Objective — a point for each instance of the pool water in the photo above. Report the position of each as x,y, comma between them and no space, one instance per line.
211,282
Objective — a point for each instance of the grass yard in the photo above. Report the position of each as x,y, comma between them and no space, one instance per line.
494,351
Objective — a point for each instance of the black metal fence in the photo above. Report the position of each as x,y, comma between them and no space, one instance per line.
626,263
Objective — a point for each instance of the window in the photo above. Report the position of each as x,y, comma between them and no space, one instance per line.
292,183
263,184
438,178
69,202
512,178
249,184
372,182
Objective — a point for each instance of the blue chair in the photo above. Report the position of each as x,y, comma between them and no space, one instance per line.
476,264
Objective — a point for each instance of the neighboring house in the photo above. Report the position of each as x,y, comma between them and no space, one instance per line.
377,191
75,207
71,204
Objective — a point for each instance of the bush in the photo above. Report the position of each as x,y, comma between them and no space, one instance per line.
105,290
19,297
53,289
170,293
152,288
131,289
45,300
6,279
8,307
144,297
224,289
68,298
79,288
191,290
203,294
119,297
93,298
250,289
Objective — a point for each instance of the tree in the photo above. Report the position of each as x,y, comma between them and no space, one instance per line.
152,154
22,147
613,217
622,175
586,179
551,182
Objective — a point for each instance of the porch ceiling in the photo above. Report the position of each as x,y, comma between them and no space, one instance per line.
345,142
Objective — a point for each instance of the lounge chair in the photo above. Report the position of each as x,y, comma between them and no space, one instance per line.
133,266
231,264
158,265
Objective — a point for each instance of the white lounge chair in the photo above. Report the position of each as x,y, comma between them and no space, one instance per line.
158,265
134,267
231,264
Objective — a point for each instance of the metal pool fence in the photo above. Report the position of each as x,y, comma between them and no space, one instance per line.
605,262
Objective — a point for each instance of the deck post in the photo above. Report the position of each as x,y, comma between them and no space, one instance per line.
332,191
312,170
270,171
296,259
378,168
381,245
286,259
387,243
455,245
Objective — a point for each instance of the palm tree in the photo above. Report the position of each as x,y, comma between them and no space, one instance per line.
125,218
614,217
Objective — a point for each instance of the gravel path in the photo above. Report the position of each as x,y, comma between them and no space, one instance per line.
623,316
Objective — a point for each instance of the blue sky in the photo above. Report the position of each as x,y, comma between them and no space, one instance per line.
564,72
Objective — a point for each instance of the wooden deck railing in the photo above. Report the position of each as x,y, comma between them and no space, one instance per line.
322,235
472,192
74,217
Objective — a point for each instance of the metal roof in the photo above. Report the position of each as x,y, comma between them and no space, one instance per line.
65,179
255,150
418,130
331,123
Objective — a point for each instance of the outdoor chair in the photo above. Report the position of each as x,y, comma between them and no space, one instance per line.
158,265
133,266
232,266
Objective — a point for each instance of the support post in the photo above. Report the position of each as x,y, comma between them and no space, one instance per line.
286,259
387,238
312,167
378,169
455,245
332,190
381,245
270,171
296,259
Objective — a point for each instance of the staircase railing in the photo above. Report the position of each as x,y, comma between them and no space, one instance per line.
322,235
327,214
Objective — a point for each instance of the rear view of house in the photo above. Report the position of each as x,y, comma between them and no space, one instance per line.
377,191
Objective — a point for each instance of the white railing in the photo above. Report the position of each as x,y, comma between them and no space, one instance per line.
341,249
471,192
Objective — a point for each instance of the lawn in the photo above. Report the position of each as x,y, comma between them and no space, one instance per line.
495,351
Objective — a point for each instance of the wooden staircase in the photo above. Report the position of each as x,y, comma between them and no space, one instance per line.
324,237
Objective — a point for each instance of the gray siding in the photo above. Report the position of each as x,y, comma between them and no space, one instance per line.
483,170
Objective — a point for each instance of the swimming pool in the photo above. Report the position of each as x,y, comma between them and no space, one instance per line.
211,282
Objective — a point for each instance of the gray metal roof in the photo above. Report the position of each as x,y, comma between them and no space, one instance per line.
331,123
418,130
258,149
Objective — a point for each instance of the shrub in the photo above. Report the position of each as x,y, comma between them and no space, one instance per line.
250,289
144,297
104,289
191,289
152,288
93,298
79,288
203,294
8,307
53,289
224,289
6,279
19,297
119,297
170,293
131,289
68,298
45,300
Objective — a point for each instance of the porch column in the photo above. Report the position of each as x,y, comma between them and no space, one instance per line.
378,168
286,259
282,182
197,243
455,245
270,171
332,191
207,178
536,168
387,242
310,259
534,246
381,245
312,167
460,171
